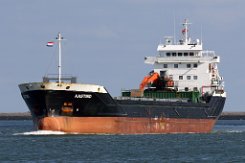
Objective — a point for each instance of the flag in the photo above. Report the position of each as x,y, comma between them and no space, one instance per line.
50,44
184,31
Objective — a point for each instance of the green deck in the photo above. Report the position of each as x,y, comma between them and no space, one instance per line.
191,95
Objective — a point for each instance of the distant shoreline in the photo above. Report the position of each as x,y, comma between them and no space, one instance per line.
15,116
27,116
232,116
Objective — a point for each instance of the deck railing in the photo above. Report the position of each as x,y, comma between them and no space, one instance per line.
64,78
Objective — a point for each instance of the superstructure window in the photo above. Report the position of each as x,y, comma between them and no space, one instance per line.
176,65
180,77
174,54
188,77
165,65
161,54
191,54
162,73
168,54
195,77
195,65
188,65
180,54
185,54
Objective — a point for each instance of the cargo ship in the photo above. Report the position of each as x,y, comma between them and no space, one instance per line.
184,93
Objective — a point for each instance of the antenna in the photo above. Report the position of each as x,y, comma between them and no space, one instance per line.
174,30
201,34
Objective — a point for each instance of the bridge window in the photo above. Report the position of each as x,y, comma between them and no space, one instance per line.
176,65
165,65
173,54
179,54
185,54
168,54
188,65
180,77
191,54
195,65
188,77
195,77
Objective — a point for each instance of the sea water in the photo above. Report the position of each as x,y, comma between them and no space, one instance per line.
19,142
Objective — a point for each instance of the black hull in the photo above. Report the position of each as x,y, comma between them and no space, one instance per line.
44,103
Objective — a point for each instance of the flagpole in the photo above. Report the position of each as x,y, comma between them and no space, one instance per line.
59,38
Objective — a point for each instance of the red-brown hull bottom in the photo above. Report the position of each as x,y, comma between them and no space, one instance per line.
125,125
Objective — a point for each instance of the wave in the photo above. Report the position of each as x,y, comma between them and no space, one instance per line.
42,132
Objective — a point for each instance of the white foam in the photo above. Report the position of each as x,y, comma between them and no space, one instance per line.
41,132
228,131
235,131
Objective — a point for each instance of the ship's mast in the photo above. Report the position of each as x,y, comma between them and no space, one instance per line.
59,38
185,31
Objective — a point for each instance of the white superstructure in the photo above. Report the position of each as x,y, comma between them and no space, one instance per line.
187,64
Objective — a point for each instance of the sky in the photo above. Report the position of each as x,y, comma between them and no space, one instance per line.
106,41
